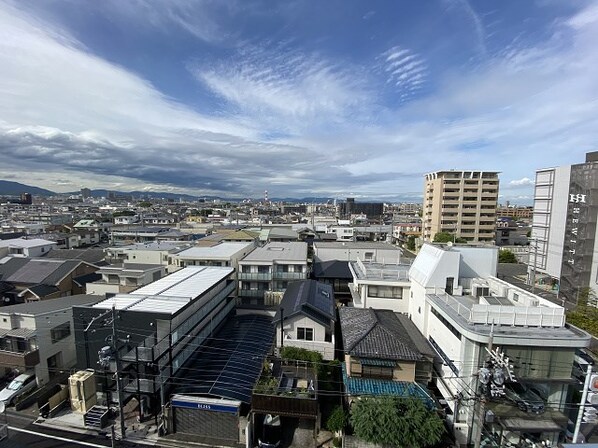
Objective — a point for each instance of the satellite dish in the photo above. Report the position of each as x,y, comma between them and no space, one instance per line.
2,407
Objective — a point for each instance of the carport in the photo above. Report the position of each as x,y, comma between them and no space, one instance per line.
213,391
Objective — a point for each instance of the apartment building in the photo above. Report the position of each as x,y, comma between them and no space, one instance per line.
462,308
462,203
161,325
126,278
221,254
40,336
564,227
269,269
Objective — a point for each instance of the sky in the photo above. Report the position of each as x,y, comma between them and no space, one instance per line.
339,98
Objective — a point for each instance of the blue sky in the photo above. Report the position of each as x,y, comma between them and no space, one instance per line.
336,98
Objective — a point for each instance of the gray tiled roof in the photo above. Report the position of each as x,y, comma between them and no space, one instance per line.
380,334
91,255
49,305
48,272
311,298
11,265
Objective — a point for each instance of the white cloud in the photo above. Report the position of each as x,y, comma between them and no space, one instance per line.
523,182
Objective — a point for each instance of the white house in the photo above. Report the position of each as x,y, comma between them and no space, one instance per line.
19,247
357,250
380,286
308,314
126,278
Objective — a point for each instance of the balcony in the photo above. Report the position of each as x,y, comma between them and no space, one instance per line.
288,389
259,293
24,360
280,275
255,276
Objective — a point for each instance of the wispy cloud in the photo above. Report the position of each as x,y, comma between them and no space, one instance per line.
404,69
269,80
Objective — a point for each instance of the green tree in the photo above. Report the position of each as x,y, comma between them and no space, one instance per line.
446,237
123,213
399,422
506,256
411,243
337,420
145,204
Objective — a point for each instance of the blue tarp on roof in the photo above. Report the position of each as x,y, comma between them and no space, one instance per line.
373,387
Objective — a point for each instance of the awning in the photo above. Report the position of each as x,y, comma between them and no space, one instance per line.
527,425
377,362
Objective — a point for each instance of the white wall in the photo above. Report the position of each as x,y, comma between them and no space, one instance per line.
318,344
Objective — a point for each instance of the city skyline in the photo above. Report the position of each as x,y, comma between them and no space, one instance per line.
337,99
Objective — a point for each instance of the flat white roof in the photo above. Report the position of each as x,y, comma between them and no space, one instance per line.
19,242
222,250
171,293
295,251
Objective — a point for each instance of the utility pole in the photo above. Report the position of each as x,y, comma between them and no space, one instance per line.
118,381
582,405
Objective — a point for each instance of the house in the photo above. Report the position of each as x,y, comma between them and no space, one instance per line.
125,278
146,253
135,234
337,274
269,269
40,336
19,247
221,254
163,325
307,314
380,286
351,251
461,307
41,278
385,354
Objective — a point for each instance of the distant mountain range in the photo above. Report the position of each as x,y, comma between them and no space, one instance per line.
16,188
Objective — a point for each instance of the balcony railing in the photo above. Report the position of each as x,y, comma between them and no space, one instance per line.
150,350
252,292
280,275
255,276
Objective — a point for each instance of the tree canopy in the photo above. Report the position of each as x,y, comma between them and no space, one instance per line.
506,256
394,421
446,237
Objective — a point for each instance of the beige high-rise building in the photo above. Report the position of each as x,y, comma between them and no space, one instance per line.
461,203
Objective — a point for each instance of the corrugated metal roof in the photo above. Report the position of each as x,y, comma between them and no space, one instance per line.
189,282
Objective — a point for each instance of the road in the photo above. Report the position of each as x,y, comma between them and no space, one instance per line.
22,433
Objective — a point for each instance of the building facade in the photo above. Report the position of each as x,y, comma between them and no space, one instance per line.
462,203
564,227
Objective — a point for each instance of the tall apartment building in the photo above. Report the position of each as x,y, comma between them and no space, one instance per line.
564,227
461,203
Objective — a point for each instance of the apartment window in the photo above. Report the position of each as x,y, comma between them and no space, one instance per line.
368,256
305,334
60,332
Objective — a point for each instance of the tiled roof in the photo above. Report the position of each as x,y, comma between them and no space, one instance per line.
42,291
375,387
309,297
332,269
381,334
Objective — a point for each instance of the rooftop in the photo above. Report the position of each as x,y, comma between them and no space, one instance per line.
380,271
293,251
223,250
171,293
154,245
50,305
26,244
382,334
309,297
355,245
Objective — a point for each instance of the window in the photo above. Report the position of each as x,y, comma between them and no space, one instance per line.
305,334
60,332
382,372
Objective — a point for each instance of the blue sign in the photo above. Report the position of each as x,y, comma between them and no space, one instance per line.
205,406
